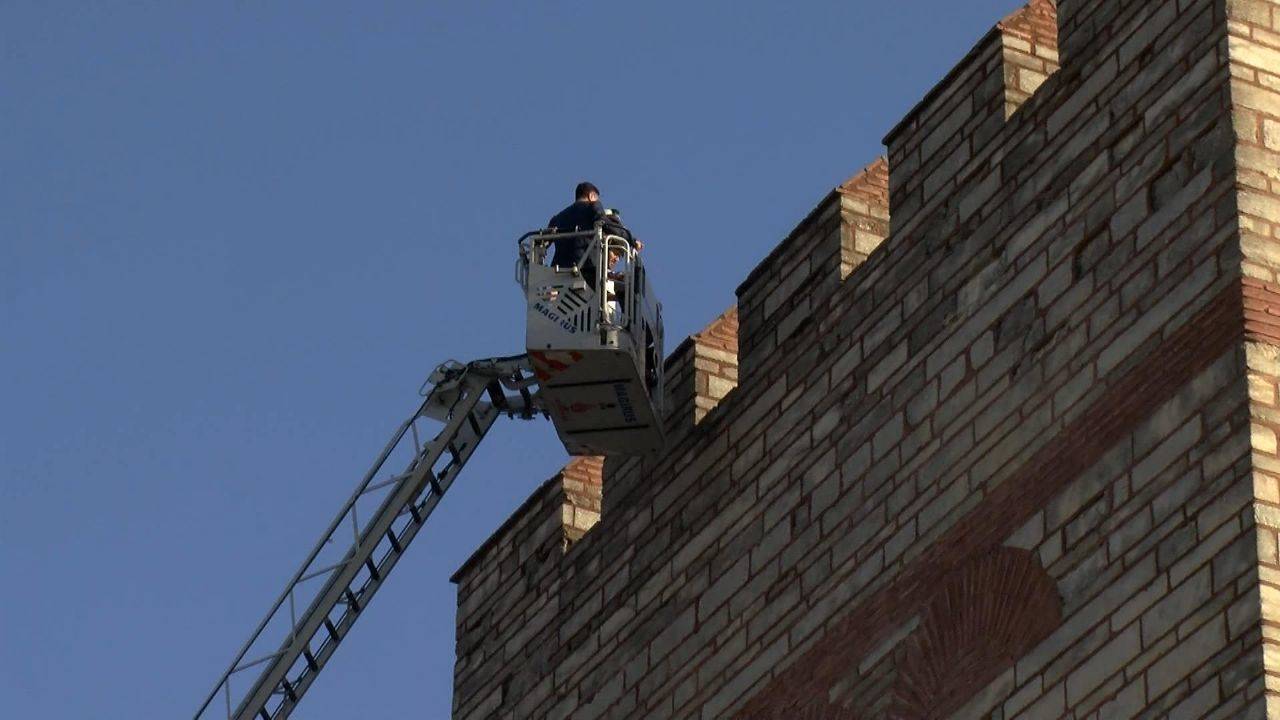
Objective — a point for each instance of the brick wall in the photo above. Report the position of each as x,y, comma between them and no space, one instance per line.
1253,46
783,292
1003,443
1029,40
715,363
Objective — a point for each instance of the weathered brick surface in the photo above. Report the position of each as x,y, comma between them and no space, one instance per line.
715,363
782,294
1030,51
1253,46
1004,443
580,482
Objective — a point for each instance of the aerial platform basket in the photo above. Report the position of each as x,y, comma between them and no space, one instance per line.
594,366
594,337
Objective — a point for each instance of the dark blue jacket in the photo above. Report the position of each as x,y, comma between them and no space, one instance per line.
581,215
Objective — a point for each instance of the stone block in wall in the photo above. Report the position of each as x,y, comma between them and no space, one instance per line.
581,480
715,363
781,294
1253,52
864,215
559,512
699,374
1253,49
502,599
1030,40
934,149
1084,25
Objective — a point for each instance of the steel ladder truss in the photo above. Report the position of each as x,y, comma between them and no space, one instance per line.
335,589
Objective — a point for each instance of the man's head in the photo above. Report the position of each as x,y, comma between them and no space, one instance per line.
586,191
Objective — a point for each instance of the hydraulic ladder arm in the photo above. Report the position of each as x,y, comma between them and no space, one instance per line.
334,590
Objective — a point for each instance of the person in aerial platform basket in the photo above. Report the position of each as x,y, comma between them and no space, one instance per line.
584,214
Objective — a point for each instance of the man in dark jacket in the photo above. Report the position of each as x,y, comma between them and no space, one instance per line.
583,214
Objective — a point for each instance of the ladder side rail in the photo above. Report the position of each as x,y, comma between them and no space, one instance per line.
503,371
485,418
304,569
372,583
340,580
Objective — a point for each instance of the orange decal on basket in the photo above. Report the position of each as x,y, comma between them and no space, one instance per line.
549,362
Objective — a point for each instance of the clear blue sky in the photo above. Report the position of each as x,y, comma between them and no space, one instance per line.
235,236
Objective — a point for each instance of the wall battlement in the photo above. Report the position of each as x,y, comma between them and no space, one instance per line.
992,432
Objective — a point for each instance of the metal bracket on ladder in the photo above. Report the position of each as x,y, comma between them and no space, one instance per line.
288,649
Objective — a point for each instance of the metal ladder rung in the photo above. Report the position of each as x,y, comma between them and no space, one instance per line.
373,569
498,397
395,543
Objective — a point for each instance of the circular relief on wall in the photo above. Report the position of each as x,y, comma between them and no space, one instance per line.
985,616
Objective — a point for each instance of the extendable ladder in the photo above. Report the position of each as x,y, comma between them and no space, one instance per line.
288,649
